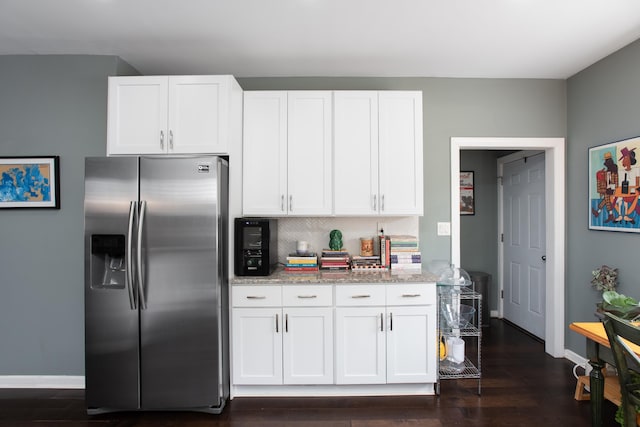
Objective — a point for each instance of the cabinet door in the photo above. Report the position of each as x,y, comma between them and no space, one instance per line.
257,346
360,345
137,115
264,170
309,153
411,344
308,345
355,153
198,114
400,145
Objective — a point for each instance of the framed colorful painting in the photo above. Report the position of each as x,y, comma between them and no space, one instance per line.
30,182
614,186
467,196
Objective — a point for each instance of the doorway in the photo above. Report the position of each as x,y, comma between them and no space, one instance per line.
554,217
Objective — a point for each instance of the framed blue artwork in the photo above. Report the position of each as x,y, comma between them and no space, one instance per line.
614,186
30,182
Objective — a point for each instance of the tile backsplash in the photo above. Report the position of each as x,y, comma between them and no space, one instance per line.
316,231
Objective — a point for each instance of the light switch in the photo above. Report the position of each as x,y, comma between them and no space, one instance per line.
444,229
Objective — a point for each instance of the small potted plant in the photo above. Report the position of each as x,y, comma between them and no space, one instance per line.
605,278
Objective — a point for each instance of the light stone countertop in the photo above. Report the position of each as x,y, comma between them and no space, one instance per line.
281,277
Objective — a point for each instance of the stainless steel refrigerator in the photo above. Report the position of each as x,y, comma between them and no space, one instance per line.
156,283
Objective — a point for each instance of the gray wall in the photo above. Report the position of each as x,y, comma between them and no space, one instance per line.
57,105
604,106
50,105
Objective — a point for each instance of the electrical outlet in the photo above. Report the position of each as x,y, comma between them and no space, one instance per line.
381,226
444,229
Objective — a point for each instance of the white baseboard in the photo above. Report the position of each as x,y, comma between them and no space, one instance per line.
42,381
578,360
493,313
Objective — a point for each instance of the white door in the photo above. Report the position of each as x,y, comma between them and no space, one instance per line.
355,146
400,148
309,153
308,345
197,114
360,345
137,115
264,169
411,343
257,346
524,243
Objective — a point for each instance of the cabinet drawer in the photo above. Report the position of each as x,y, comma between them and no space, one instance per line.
360,295
411,294
256,296
307,295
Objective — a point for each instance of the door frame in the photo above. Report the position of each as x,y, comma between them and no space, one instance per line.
554,149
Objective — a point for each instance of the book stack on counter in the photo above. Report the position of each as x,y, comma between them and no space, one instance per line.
302,263
334,260
404,254
366,263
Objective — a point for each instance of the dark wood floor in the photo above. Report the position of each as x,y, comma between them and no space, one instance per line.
521,386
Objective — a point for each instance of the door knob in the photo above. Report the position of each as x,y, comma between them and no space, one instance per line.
544,257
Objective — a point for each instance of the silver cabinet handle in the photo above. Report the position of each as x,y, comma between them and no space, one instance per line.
162,140
410,295
382,203
171,140
360,296
290,203
141,296
307,296
277,323
256,297
375,202
129,259
381,322
390,321
282,203
286,323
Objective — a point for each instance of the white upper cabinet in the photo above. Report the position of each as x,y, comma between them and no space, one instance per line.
400,151
355,146
173,114
264,148
360,156
287,153
378,153
309,153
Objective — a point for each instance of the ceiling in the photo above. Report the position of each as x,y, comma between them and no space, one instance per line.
251,38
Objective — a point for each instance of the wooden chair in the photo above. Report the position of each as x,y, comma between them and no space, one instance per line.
618,330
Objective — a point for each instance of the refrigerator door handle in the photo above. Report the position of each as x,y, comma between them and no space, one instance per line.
141,296
129,260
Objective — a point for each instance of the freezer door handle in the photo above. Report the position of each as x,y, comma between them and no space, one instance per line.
141,296
129,260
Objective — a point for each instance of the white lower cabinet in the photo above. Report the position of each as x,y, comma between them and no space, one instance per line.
282,345
286,335
410,352
308,345
257,346
360,345
378,344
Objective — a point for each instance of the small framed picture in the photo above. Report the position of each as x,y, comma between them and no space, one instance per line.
467,197
30,182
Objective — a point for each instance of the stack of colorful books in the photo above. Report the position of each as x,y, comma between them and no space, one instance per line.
334,260
404,254
302,263
366,263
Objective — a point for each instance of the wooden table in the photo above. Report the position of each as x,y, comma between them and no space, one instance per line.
599,353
